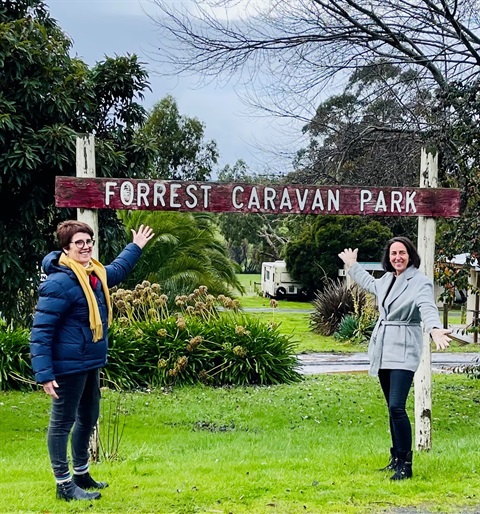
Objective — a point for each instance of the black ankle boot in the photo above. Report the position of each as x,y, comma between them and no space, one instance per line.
392,465
70,491
404,466
86,481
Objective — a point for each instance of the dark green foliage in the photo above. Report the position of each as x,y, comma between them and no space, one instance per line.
180,152
460,167
15,368
185,254
346,328
331,304
312,256
234,350
46,99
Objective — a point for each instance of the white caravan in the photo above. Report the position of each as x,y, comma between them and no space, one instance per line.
277,283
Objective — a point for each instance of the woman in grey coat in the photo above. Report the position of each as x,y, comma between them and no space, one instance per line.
405,299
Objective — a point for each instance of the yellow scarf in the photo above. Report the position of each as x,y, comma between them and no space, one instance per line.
82,273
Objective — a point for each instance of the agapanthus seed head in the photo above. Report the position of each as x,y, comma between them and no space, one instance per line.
239,351
239,330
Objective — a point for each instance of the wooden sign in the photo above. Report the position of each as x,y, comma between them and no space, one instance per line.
165,195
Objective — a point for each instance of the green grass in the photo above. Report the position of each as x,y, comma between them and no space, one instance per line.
309,447
296,324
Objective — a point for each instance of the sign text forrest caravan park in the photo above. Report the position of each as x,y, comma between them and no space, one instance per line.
108,193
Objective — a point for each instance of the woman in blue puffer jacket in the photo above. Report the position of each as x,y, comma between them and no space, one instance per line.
69,346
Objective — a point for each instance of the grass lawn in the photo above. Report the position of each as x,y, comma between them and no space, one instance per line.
311,447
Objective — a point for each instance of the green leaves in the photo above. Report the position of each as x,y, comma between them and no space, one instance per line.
232,350
46,99
15,369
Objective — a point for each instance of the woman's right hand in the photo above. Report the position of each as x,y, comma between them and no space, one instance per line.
49,388
349,256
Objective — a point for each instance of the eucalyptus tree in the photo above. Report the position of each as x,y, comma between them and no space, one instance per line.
180,151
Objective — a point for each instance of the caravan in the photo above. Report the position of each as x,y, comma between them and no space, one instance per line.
277,283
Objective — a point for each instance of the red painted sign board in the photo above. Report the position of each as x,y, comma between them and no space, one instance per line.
168,195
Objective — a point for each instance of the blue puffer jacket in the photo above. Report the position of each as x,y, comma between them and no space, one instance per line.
61,341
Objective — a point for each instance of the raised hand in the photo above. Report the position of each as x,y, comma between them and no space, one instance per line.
143,236
349,256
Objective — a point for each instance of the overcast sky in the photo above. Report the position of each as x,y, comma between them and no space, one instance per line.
102,28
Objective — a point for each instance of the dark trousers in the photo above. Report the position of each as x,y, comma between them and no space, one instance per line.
78,406
396,384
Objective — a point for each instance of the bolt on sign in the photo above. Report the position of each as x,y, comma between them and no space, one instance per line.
167,195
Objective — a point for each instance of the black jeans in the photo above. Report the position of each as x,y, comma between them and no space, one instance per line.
396,384
78,406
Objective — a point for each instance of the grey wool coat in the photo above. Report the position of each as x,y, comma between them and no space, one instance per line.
397,339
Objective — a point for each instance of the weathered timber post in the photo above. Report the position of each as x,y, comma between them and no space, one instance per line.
426,250
85,168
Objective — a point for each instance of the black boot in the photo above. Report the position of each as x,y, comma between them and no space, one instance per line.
70,491
404,466
86,481
392,465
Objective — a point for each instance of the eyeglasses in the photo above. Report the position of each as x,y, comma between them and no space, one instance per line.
81,243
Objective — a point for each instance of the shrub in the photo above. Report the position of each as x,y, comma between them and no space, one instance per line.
347,328
151,347
15,359
231,350
335,303
330,306
357,327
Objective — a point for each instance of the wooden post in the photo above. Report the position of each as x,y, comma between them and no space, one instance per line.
426,250
85,167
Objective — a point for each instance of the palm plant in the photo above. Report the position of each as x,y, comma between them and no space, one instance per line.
185,254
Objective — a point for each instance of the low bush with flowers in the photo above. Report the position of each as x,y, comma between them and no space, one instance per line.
203,339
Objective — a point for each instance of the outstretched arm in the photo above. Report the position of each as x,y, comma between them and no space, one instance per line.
143,236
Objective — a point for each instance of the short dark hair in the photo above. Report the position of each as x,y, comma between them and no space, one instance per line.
413,257
67,229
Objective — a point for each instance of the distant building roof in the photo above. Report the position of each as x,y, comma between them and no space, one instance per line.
372,266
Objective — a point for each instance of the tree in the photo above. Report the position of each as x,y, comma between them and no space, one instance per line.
184,255
180,152
251,238
371,133
312,256
301,48
46,98
306,44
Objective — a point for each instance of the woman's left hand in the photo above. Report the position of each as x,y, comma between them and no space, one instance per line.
440,337
143,236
